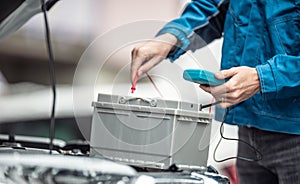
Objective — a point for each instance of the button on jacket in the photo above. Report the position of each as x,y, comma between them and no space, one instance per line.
264,34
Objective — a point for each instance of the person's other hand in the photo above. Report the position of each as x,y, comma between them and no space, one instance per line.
150,54
243,83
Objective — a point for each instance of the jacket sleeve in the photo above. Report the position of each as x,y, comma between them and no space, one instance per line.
201,22
280,77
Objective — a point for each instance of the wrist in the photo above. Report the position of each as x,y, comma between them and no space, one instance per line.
256,79
169,40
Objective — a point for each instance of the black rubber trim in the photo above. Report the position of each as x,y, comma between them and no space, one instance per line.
7,7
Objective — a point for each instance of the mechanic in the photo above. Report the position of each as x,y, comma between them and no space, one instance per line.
261,59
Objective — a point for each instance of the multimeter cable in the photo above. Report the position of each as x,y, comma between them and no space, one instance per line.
258,155
52,75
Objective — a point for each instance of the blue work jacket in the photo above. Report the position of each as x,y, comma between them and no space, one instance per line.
264,34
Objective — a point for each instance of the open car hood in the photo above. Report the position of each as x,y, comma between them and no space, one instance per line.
15,13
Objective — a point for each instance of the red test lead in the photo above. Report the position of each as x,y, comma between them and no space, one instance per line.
134,84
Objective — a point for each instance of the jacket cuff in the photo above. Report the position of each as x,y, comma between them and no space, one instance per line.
267,82
183,42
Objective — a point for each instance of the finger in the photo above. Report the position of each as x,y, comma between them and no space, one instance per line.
225,105
226,73
149,64
223,102
205,88
216,91
219,90
136,63
226,99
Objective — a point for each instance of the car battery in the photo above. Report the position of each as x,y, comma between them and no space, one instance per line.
153,133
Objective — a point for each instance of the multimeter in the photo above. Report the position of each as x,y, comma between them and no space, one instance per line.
202,77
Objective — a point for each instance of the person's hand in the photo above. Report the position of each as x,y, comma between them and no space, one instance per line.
151,53
243,83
